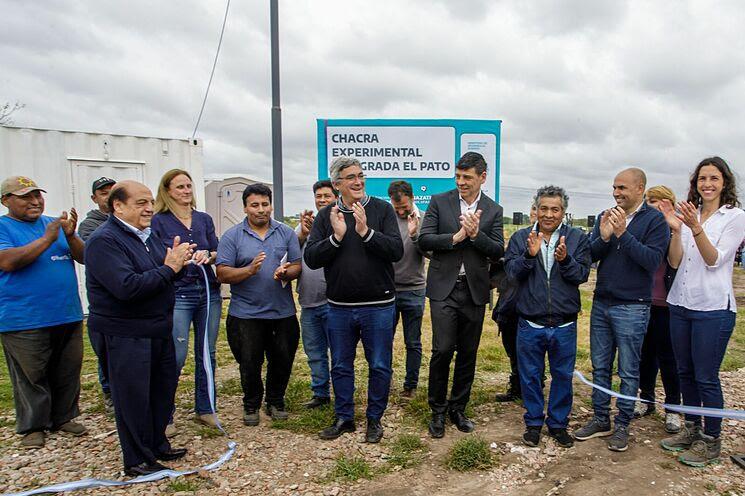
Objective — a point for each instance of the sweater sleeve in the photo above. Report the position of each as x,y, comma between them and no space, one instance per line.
598,247
108,261
321,247
85,229
648,254
575,268
387,242
430,239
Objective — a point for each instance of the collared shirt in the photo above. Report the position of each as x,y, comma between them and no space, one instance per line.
548,249
409,271
470,209
702,287
259,296
630,217
311,285
142,234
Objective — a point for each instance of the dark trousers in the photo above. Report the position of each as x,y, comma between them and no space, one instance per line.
143,377
456,327
410,309
103,367
657,354
44,366
508,330
347,326
699,342
560,344
252,339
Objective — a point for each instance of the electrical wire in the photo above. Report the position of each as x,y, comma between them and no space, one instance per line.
214,65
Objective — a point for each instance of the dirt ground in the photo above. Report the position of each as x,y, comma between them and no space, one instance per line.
274,459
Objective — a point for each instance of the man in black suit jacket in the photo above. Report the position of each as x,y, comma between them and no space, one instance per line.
463,229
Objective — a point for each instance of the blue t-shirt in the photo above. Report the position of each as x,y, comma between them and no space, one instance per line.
45,292
259,296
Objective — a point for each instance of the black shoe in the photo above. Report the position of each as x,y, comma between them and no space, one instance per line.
507,396
374,431
460,421
532,436
144,468
317,402
437,425
562,437
171,454
338,428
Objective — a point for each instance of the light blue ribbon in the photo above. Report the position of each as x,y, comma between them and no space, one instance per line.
691,410
162,474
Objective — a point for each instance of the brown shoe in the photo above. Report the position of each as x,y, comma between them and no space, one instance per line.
72,428
33,440
408,393
208,419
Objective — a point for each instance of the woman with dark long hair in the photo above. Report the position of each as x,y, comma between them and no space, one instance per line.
706,232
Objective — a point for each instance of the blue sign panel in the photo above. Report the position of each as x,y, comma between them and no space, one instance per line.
421,151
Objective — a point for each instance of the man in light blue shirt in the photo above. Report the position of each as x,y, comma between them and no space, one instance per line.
258,258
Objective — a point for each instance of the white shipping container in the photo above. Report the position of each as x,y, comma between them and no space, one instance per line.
65,164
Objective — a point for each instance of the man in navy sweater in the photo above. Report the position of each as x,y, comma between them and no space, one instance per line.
629,242
356,240
129,277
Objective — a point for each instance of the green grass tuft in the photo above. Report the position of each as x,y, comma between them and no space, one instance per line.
350,469
407,451
470,453
184,485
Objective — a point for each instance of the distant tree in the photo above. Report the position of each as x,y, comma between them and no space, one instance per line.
7,110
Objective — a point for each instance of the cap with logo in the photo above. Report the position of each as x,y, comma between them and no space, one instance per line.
18,186
100,183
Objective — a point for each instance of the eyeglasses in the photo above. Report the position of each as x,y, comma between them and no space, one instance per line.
352,177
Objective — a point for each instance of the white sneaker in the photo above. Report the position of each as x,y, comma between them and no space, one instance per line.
643,409
672,423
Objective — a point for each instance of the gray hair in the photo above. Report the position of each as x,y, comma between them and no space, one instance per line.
551,191
339,164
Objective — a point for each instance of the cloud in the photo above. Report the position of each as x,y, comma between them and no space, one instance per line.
583,88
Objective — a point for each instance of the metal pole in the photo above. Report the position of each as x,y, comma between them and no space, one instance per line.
276,115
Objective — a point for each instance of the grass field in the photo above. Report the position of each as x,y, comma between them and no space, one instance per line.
491,361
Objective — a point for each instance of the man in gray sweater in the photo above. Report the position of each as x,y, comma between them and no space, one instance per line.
410,281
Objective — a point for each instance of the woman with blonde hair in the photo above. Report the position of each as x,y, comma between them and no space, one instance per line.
706,231
176,215
657,350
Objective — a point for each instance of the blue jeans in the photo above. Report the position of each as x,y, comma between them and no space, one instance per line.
316,346
532,345
622,328
346,327
410,308
191,307
699,343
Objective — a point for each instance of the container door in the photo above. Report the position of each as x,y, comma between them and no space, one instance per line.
83,173
230,210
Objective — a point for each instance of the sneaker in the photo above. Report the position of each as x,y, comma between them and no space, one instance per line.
171,430
619,441
561,436
72,428
506,397
672,423
374,431
532,436
595,428
338,428
703,451
643,409
277,412
108,404
251,417
208,419
683,439
33,440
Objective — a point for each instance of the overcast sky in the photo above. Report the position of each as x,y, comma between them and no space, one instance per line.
584,88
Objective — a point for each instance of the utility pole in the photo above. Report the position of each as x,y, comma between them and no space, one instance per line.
276,115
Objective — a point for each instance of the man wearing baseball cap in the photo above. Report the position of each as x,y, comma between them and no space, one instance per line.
40,313
100,195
